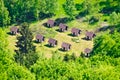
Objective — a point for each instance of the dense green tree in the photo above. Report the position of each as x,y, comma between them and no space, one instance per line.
47,6
107,44
91,6
4,14
114,19
90,9
28,9
26,55
104,64
9,70
82,69
110,6
12,8
69,8
22,10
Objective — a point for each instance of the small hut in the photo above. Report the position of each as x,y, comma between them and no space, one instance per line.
90,35
14,30
62,27
66,46
75,31
87,52
50,23
40,38
52,42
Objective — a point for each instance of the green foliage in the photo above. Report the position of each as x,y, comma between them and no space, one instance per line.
4,15
107,44
47,6
90,7
69,8
26,55
9,70
103,65
3,41
82,69
110,6
114,19
22,10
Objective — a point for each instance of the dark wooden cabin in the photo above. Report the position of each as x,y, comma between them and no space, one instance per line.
52,42
75,31
90,35
66,46
50,23
40,38
14,30
62,27
87,52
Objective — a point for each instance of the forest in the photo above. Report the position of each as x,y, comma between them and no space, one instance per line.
60,55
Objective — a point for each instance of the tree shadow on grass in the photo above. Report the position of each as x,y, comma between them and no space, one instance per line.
71,35
84,38
80,15
57,30
45,15
62,20
60,49
9,33
45,25
36,42
47,45
105,28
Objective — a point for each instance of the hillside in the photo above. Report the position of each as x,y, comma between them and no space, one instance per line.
59,40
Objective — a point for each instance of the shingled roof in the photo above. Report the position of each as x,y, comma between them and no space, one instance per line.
66,46
62,27
14,30
52,42
75,31
50,23
87,52
39,38
90,35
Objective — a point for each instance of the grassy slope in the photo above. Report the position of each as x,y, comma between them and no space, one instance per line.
64,37
37,27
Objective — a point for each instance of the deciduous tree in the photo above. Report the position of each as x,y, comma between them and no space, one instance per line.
4,14
69,8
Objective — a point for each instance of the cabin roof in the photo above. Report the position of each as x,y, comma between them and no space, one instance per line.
15,29
89,34
63,26
51,22
75,30
64,44
39,36
51,40
87,50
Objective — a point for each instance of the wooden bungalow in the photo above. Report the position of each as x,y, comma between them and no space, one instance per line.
66,46
62,27
75,31
14,30
40,38
52,42
87,52
90,35
50,23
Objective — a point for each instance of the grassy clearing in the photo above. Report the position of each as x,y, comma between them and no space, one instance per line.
37,27
64,37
